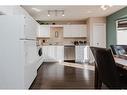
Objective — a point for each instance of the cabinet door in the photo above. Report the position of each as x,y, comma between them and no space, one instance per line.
60,53
75,31
51,53
68,31
77,54
82,31
82,54
44,31
45,53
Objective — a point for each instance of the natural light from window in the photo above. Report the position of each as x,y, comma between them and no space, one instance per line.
122,37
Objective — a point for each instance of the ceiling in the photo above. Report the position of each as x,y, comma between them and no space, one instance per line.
72,13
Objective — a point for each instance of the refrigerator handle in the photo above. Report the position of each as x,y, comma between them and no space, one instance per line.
27,39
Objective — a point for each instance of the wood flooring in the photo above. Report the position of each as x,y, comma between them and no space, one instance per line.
64,76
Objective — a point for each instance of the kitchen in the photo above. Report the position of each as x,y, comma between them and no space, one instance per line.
36,39
56,42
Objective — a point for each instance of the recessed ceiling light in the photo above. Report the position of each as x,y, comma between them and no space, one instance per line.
36,9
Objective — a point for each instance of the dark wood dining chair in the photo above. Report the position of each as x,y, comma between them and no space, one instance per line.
105,69
118,49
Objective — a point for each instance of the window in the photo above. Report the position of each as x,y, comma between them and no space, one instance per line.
121,27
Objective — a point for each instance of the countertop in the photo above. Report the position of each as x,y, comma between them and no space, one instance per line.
62,45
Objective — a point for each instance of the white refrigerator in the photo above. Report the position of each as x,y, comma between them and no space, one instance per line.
18,52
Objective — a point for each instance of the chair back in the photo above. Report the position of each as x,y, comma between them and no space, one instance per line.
118,49
107,70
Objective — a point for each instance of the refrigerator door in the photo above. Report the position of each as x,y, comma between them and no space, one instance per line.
11,55
30,70
17,57
30,28
30,51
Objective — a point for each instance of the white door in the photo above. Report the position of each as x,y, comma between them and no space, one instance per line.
99,35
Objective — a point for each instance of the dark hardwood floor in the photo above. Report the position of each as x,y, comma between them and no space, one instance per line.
56,76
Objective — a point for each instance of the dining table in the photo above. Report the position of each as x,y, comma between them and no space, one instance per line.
121,61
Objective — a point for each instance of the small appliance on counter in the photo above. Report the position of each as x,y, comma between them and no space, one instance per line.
76,43
85,42
80,42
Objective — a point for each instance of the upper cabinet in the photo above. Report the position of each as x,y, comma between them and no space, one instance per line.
68,30
44,31
75,30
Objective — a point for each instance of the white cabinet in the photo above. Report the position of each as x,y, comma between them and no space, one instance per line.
45,52
20,62
44,31
81,53
59,53
53,53
68,30
75,31
21,25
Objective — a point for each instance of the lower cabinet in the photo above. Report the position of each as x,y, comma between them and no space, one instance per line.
56,53
53,53
81,54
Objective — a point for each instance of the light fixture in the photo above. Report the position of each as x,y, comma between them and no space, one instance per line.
48,13
63,13
56,12
105,7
